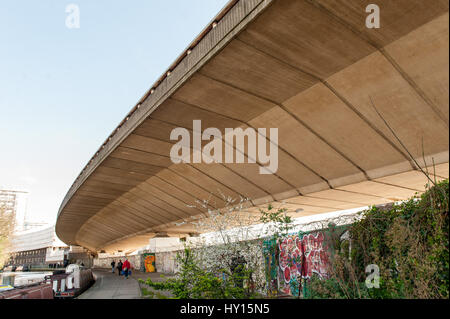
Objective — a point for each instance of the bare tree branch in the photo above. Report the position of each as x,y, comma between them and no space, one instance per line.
401,143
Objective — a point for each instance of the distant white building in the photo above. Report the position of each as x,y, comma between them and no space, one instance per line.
37,247
15,202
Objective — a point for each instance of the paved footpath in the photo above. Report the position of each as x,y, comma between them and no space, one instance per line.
112,286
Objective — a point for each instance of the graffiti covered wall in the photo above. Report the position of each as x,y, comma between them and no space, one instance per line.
284,265
294,258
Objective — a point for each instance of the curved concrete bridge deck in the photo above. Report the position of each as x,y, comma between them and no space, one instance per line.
311,69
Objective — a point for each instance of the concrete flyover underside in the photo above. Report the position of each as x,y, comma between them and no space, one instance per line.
309,68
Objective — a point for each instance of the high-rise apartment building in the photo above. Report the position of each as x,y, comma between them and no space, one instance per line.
15,203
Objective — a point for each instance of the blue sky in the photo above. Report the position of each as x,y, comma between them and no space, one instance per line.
63,91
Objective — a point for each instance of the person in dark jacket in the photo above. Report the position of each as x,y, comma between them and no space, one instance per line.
119,267
113,265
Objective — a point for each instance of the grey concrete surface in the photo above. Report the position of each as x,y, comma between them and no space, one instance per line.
112,286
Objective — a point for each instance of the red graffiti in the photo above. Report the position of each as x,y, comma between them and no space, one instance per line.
316,256
301,257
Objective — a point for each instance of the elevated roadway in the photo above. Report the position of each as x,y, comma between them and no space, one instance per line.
310,68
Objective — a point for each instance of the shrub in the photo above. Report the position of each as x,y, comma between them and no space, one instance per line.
409,242
193,282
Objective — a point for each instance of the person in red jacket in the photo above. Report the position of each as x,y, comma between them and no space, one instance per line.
126,268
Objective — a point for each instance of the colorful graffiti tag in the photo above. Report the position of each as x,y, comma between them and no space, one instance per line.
299,257
290,263
316,255
149,262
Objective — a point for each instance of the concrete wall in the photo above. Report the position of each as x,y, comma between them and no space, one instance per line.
165,262
105,262
165,250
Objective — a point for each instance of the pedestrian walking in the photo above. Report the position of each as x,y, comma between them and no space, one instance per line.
113,264
119,267
126,268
